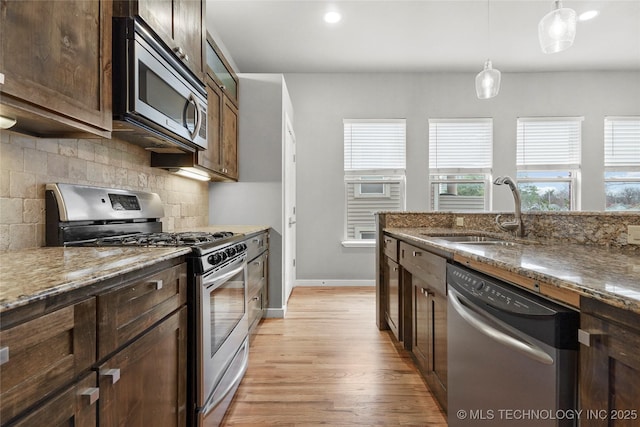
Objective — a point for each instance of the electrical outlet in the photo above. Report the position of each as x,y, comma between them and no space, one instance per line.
633,234
460,221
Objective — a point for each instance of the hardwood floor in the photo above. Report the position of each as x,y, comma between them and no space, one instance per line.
326,363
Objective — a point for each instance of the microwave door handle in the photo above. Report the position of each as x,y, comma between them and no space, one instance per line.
198,113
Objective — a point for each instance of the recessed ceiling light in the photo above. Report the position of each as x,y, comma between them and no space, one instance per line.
332,17
590,14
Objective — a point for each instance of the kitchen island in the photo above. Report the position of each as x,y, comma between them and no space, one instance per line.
580,260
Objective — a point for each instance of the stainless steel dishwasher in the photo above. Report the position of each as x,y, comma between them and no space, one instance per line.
512,356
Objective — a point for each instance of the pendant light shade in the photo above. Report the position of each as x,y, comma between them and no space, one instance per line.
557,29
487,82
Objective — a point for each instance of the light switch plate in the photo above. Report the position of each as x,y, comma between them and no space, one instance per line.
633,234
460,221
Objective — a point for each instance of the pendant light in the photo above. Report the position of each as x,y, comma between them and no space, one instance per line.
557,29
488,80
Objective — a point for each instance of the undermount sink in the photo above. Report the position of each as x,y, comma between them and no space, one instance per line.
466,239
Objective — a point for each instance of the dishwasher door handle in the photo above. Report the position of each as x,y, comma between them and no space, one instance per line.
476,321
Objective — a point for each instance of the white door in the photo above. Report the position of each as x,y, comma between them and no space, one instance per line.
290,211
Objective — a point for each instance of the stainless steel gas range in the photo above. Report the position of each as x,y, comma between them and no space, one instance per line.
218,322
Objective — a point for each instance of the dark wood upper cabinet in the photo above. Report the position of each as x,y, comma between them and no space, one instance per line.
179,23
56,62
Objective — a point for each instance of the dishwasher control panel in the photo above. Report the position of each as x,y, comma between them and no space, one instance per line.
481,288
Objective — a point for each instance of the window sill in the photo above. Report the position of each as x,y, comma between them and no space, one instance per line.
359,243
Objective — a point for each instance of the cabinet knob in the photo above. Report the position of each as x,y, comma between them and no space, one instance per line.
113,373
179,51
589,338
157,284
256,262
255,298
90,395
4,355
395,268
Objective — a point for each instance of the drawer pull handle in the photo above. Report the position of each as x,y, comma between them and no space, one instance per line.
157,284
256,262
91,395
388,240
4,355
587,338
113,373
417,253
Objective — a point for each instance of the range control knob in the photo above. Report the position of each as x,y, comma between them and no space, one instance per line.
214,259
230,251
480,285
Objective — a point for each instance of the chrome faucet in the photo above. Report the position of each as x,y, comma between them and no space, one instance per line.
516,225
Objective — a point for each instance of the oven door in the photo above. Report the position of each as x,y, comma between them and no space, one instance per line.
223,328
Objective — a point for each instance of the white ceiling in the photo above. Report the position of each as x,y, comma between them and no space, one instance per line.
419,35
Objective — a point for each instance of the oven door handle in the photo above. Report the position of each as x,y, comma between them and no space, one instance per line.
229,387
218,280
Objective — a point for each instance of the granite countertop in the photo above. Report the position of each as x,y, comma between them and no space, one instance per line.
608,274
31,275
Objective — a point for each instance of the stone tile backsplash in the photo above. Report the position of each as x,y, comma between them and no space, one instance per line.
28,163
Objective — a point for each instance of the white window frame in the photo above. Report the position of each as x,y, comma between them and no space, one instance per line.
572,166
485,170
625,163
357,175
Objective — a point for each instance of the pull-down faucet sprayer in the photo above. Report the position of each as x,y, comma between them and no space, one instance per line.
516,225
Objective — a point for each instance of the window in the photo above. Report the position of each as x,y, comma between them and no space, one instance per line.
460,159
548,161
374,168
622,163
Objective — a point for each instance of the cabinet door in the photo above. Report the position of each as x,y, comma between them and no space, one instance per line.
45,354
56,60
145,383
211,158
421,345
437,377
392,278
609,370
75,406
177,22
188,35
230,138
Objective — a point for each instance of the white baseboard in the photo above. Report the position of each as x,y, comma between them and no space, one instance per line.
335,282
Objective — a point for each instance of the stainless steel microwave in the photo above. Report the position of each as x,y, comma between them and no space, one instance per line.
157,102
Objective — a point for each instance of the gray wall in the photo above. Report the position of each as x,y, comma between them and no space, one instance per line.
321,101
256,199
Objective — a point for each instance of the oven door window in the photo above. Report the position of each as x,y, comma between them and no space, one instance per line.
227,306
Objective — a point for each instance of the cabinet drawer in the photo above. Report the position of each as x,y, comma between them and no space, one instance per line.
75,406
44,354
128,311
429,267
256,245
390,247
257,273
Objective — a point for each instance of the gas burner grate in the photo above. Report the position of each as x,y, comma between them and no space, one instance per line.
163,239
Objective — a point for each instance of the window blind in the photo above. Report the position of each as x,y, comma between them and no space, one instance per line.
460,144
544,143
374,144
622,141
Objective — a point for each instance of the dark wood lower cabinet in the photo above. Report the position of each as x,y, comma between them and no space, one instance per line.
609,365
392,312
429,344
139,387
75,406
